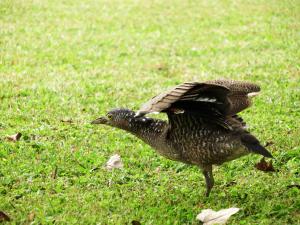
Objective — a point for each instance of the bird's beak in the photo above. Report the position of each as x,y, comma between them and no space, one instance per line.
100,120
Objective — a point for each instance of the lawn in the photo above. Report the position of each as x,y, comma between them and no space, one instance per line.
64,63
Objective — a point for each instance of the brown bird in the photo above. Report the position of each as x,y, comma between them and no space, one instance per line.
203,129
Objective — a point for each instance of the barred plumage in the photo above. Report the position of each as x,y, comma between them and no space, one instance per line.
203,127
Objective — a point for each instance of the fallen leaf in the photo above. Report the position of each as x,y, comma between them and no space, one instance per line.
31,216
14,137
157,169
114,162
73,149
210,217
4,217
263,165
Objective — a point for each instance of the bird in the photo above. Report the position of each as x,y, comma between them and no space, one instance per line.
203,127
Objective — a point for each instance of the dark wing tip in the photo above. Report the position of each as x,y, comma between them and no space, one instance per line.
253,145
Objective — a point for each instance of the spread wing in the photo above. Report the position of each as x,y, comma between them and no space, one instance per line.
240,94
218,101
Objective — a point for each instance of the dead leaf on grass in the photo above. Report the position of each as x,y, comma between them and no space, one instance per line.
31,216
157,169
114,162
210,217
14,137
73,149
263,165
4,217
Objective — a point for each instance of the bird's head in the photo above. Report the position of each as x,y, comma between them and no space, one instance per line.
120,118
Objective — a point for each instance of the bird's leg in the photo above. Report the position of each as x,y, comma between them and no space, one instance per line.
209,179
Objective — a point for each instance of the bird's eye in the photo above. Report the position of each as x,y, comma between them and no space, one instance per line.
109,116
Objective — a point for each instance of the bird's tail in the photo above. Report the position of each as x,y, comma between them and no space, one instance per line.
253,145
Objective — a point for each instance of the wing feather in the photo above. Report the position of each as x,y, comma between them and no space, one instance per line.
218,100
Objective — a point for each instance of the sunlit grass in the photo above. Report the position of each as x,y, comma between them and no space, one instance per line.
74,60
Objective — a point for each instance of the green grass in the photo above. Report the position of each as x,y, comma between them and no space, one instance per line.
76,59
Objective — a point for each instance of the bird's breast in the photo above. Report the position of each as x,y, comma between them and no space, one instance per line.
204,146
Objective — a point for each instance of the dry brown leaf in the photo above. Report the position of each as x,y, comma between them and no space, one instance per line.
31,216
14,137
4,217
114,162
157,169
263,165
210,217
73,149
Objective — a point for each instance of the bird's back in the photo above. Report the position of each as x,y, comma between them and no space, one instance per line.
201,143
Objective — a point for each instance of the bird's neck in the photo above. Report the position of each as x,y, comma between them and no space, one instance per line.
151,131
155,133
